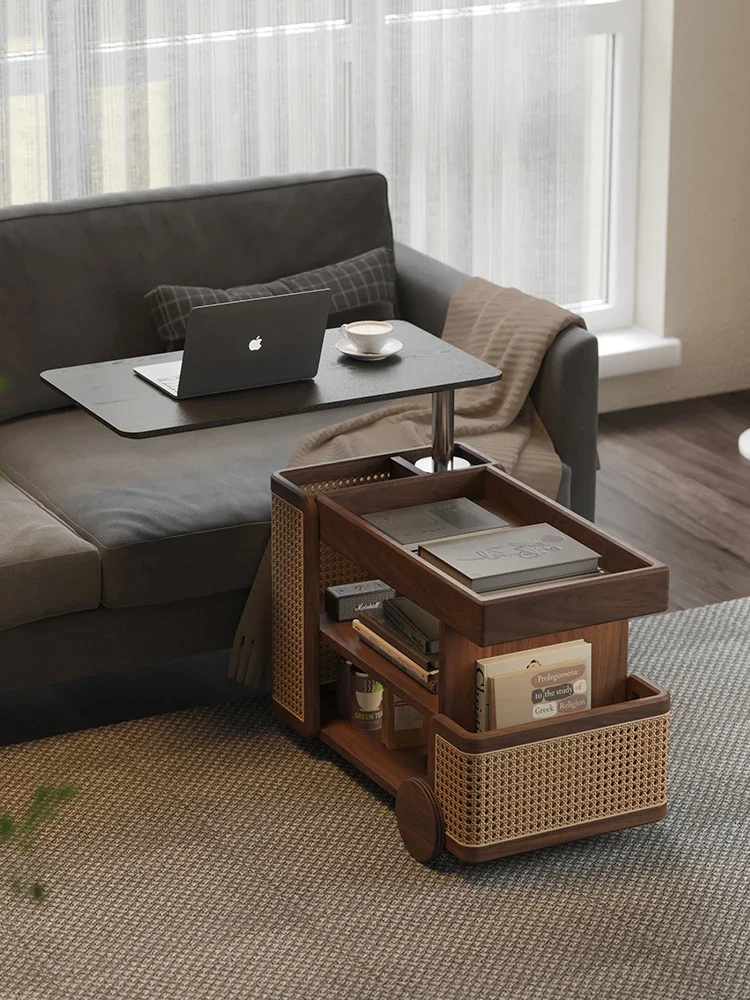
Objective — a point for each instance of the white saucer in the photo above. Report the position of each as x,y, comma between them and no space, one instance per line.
391,346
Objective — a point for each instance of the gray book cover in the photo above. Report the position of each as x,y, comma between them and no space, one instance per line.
429,521
511,557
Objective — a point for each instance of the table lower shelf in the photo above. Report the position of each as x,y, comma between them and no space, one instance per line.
363,749
342,639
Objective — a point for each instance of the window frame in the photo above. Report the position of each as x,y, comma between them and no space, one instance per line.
621,20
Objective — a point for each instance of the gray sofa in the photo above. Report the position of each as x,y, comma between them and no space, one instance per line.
116,552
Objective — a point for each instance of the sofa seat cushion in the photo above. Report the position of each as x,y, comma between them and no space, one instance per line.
173,517
45,568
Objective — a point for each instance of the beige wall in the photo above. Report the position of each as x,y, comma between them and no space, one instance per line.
707,247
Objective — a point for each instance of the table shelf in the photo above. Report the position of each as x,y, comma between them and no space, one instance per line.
341,637
388,768
632,585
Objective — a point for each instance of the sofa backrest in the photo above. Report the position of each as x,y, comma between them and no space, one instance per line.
73,274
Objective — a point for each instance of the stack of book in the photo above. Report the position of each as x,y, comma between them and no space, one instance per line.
406,635
533,684
511,557
483,551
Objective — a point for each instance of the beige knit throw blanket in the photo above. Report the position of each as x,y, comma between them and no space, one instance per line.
503,327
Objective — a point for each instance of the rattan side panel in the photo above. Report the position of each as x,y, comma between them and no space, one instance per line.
336,568
326,485
502,795
288,578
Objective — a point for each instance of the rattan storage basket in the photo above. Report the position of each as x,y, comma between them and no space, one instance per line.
501,792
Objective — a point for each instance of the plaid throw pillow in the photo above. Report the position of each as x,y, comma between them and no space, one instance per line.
368,280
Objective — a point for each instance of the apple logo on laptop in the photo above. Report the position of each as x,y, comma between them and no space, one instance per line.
256,344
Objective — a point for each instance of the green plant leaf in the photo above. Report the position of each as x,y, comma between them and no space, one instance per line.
39,892
45,804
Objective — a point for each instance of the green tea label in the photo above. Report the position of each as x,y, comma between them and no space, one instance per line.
367,701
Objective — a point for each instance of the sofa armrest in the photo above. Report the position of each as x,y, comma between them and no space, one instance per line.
425,288
566,396
565,392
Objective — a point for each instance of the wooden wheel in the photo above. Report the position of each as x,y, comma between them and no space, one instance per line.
419,821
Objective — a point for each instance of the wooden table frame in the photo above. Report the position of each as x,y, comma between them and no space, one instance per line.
318,515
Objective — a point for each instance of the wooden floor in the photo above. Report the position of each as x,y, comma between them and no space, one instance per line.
673,484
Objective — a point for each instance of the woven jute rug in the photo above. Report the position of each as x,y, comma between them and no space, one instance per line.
213,854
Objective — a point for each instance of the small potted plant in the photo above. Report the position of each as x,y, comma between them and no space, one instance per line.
20,835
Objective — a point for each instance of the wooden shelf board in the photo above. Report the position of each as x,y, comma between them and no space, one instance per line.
388,768
341,637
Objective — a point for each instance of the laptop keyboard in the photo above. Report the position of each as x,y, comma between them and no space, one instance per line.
171,382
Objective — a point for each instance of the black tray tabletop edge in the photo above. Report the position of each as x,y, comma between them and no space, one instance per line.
112,393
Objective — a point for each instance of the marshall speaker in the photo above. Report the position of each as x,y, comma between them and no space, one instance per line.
347,601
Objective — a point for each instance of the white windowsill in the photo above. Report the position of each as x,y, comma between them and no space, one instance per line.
629,352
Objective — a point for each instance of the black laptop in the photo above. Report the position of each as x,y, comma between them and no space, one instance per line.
246,344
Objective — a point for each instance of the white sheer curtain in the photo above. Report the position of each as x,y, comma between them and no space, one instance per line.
475,112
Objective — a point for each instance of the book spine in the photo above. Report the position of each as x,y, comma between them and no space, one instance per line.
408,629
444,567
428,679
388,631
492,701
480,694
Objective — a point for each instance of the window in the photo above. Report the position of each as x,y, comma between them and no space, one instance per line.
613,66
508,130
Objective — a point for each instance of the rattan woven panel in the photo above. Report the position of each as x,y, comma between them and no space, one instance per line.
326,485
489,798
336,568
288,577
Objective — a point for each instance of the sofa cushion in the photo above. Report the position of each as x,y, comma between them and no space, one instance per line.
73,274
365,280
45,568
173,517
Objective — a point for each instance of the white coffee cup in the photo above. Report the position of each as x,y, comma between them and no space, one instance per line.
368,335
